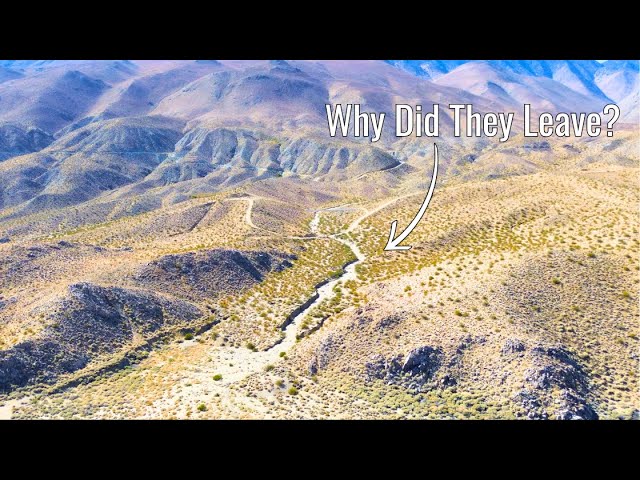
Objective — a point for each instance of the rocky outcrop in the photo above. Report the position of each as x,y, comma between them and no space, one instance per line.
207,274
90,321
513,345
466,159
422,360
424,367
557,386
555,367
380,367
544,145
389,321
574,407
415,370
324,353
37,361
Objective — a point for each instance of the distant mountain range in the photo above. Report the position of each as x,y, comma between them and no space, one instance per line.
614,79
72,130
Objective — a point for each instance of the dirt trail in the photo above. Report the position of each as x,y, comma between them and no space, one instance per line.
381,170
382,206
247,215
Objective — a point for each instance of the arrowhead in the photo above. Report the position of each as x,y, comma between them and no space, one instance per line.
392,244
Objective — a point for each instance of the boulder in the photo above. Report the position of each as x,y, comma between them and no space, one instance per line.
424,359
512,345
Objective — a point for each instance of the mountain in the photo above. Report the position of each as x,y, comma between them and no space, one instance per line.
49,100
630,108
578,75
141,95
28,64
86,162
618,78
575,74
427,68
250,94
106,70
490,81
75,130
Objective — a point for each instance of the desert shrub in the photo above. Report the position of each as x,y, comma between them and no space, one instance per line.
217,377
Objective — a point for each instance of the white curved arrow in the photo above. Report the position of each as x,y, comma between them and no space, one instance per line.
392,244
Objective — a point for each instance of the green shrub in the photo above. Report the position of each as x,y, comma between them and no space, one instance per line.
217,377
202,407
188,336
292,391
